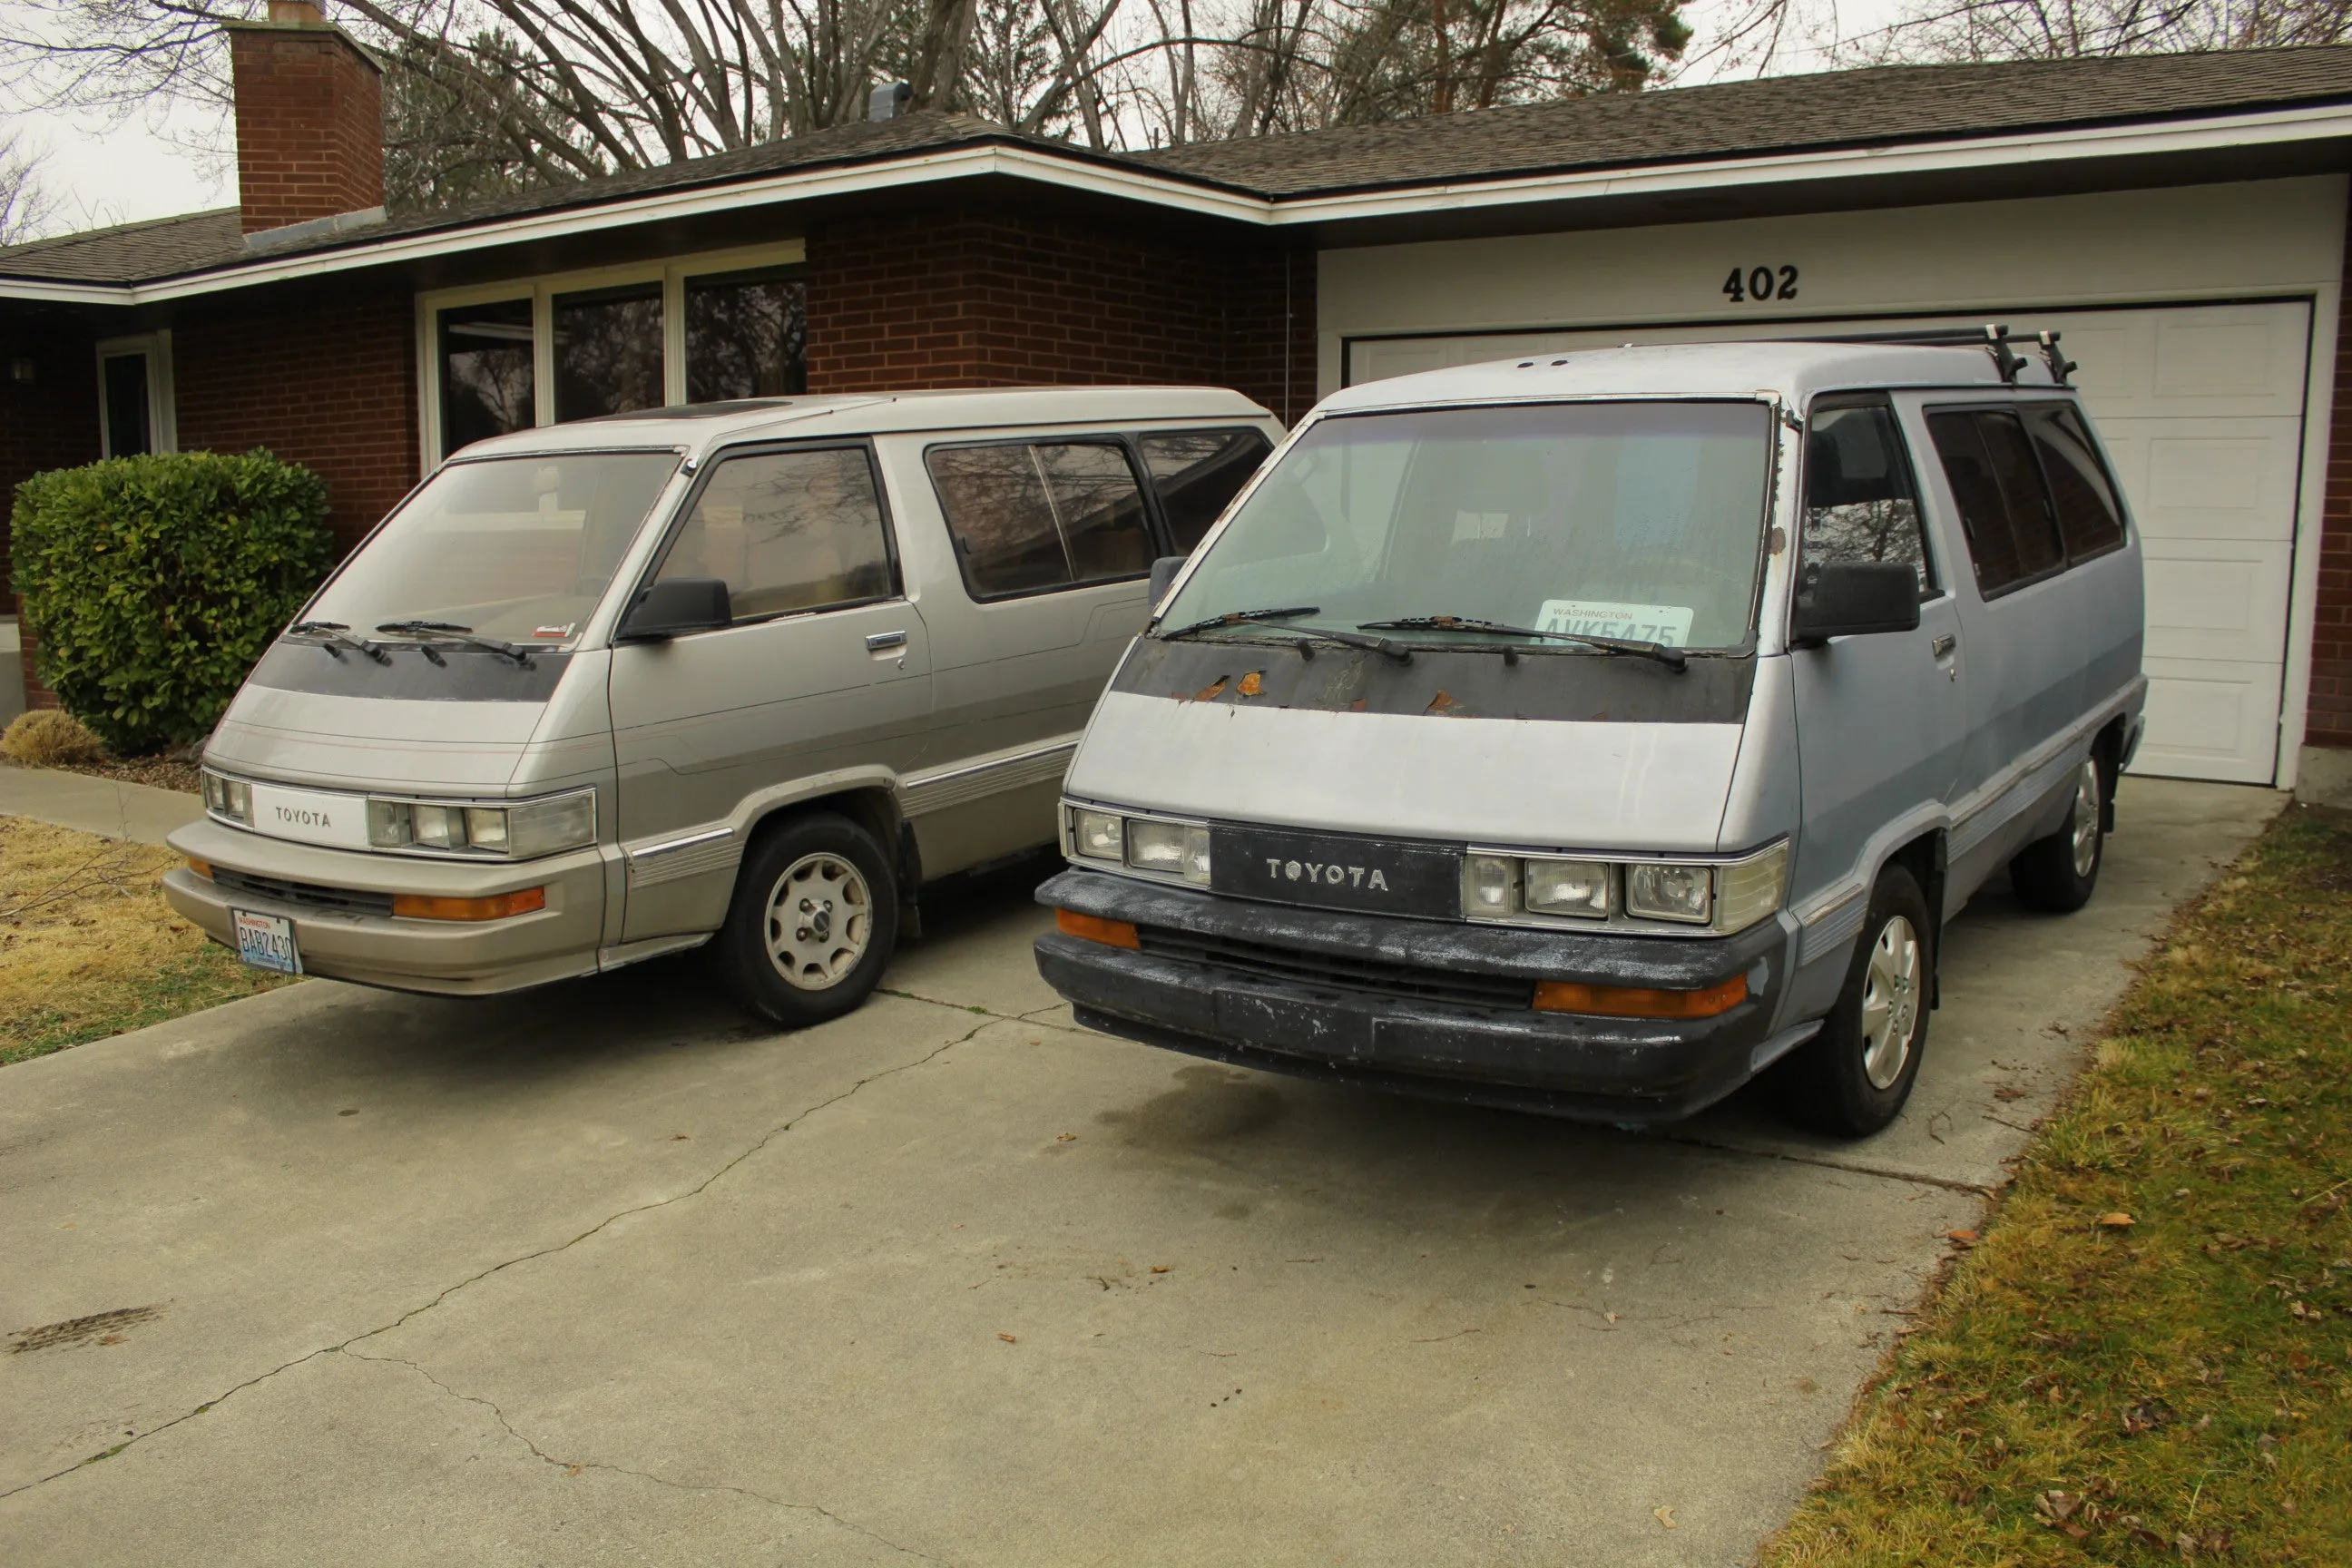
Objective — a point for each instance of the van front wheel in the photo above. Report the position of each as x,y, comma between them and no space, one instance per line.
1852,1079
2056,874
814,917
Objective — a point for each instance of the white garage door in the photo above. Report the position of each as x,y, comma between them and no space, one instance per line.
2201,407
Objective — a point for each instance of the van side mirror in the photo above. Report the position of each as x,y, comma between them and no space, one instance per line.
1854,598
675,607
1163,576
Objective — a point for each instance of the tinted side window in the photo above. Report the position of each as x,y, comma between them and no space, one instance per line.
787,530
1054,515
2088,518
1196,472
2004,509
1860,502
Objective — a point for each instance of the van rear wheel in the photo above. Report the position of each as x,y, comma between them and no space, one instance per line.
814,918
2057,874
1852,1079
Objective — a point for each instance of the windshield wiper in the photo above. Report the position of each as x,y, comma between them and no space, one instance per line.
456,633
1242,618
335,637
1672,658
1388,646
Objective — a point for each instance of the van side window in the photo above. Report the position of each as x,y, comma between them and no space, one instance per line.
2013,533
1196,472
1860,501
1026,517
2088,518
788,531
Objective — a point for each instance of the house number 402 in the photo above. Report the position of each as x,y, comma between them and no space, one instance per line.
1760,283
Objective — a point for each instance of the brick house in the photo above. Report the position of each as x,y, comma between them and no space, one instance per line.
2181,219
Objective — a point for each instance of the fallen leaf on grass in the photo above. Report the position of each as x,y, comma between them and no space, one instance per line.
1965,1238
2118,1220
1664,1516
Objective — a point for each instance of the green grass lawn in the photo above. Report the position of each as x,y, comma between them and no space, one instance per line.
88,948
2147,1357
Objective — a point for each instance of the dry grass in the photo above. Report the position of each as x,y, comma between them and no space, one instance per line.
45,738
2149,1356
88,948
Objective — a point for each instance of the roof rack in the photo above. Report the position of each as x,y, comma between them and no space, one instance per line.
1993,337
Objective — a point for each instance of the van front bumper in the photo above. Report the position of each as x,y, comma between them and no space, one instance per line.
462,958
1378,1001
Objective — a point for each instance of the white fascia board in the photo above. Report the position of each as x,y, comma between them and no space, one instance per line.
2216,133
2219,132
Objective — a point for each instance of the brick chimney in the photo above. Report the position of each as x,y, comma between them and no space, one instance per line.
309,119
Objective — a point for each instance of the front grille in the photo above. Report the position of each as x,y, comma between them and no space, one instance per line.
343,900
1371,975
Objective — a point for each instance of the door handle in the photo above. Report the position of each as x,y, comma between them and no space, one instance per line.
1943,645
882,642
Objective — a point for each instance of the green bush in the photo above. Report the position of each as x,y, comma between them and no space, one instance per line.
155,583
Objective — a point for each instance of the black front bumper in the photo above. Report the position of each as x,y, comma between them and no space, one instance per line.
1426,1007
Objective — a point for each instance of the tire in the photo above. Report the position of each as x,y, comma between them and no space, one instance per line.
1851,1080
2056,875
827,961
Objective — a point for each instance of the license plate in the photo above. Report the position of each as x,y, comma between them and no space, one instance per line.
265,942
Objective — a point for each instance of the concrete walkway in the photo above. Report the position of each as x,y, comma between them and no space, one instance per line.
604,1274
95,805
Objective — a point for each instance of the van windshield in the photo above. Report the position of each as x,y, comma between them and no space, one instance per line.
1634,520
514,548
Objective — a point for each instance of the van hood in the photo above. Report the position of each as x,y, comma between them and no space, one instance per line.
1534,783
318,723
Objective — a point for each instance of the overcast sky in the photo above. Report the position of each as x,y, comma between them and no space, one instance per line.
121,173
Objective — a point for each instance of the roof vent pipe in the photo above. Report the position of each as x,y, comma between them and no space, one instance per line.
889,100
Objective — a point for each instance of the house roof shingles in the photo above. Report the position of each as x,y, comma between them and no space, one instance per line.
1887,105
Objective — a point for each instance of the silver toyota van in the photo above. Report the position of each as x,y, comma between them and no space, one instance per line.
1593,733
750,672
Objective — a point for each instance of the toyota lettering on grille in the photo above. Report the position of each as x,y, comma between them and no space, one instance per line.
1370,879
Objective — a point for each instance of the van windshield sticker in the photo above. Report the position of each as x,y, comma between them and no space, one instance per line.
1667,623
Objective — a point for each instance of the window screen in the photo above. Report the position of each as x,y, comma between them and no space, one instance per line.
1860,502
2004,509
2088,518
485,372
787,530
1196,472
608,351
1027,518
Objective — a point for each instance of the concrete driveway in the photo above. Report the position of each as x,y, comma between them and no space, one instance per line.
602,1274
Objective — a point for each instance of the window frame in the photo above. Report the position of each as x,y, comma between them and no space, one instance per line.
710,465
1939,573
2099,456
672,273
1155,526
1165,538
2017,406
162,423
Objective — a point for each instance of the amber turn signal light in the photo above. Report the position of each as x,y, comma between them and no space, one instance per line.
203,869
498,907
1639,1000
1094,928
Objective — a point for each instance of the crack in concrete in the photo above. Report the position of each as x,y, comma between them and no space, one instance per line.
574,1467
1851,1167
695,1191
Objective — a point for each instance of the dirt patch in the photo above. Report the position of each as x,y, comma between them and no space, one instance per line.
160,772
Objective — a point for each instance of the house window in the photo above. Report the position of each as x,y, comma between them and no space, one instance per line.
608,351
699,329
746,336
134,396
486,372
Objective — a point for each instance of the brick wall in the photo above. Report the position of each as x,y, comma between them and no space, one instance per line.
975,296
2329,715
309,124
328,382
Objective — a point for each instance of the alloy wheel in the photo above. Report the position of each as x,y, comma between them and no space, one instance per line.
2086,820
1890,1002
820,920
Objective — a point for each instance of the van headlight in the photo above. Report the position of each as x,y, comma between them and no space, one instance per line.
227,797
1156,845
1722,895
517,832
